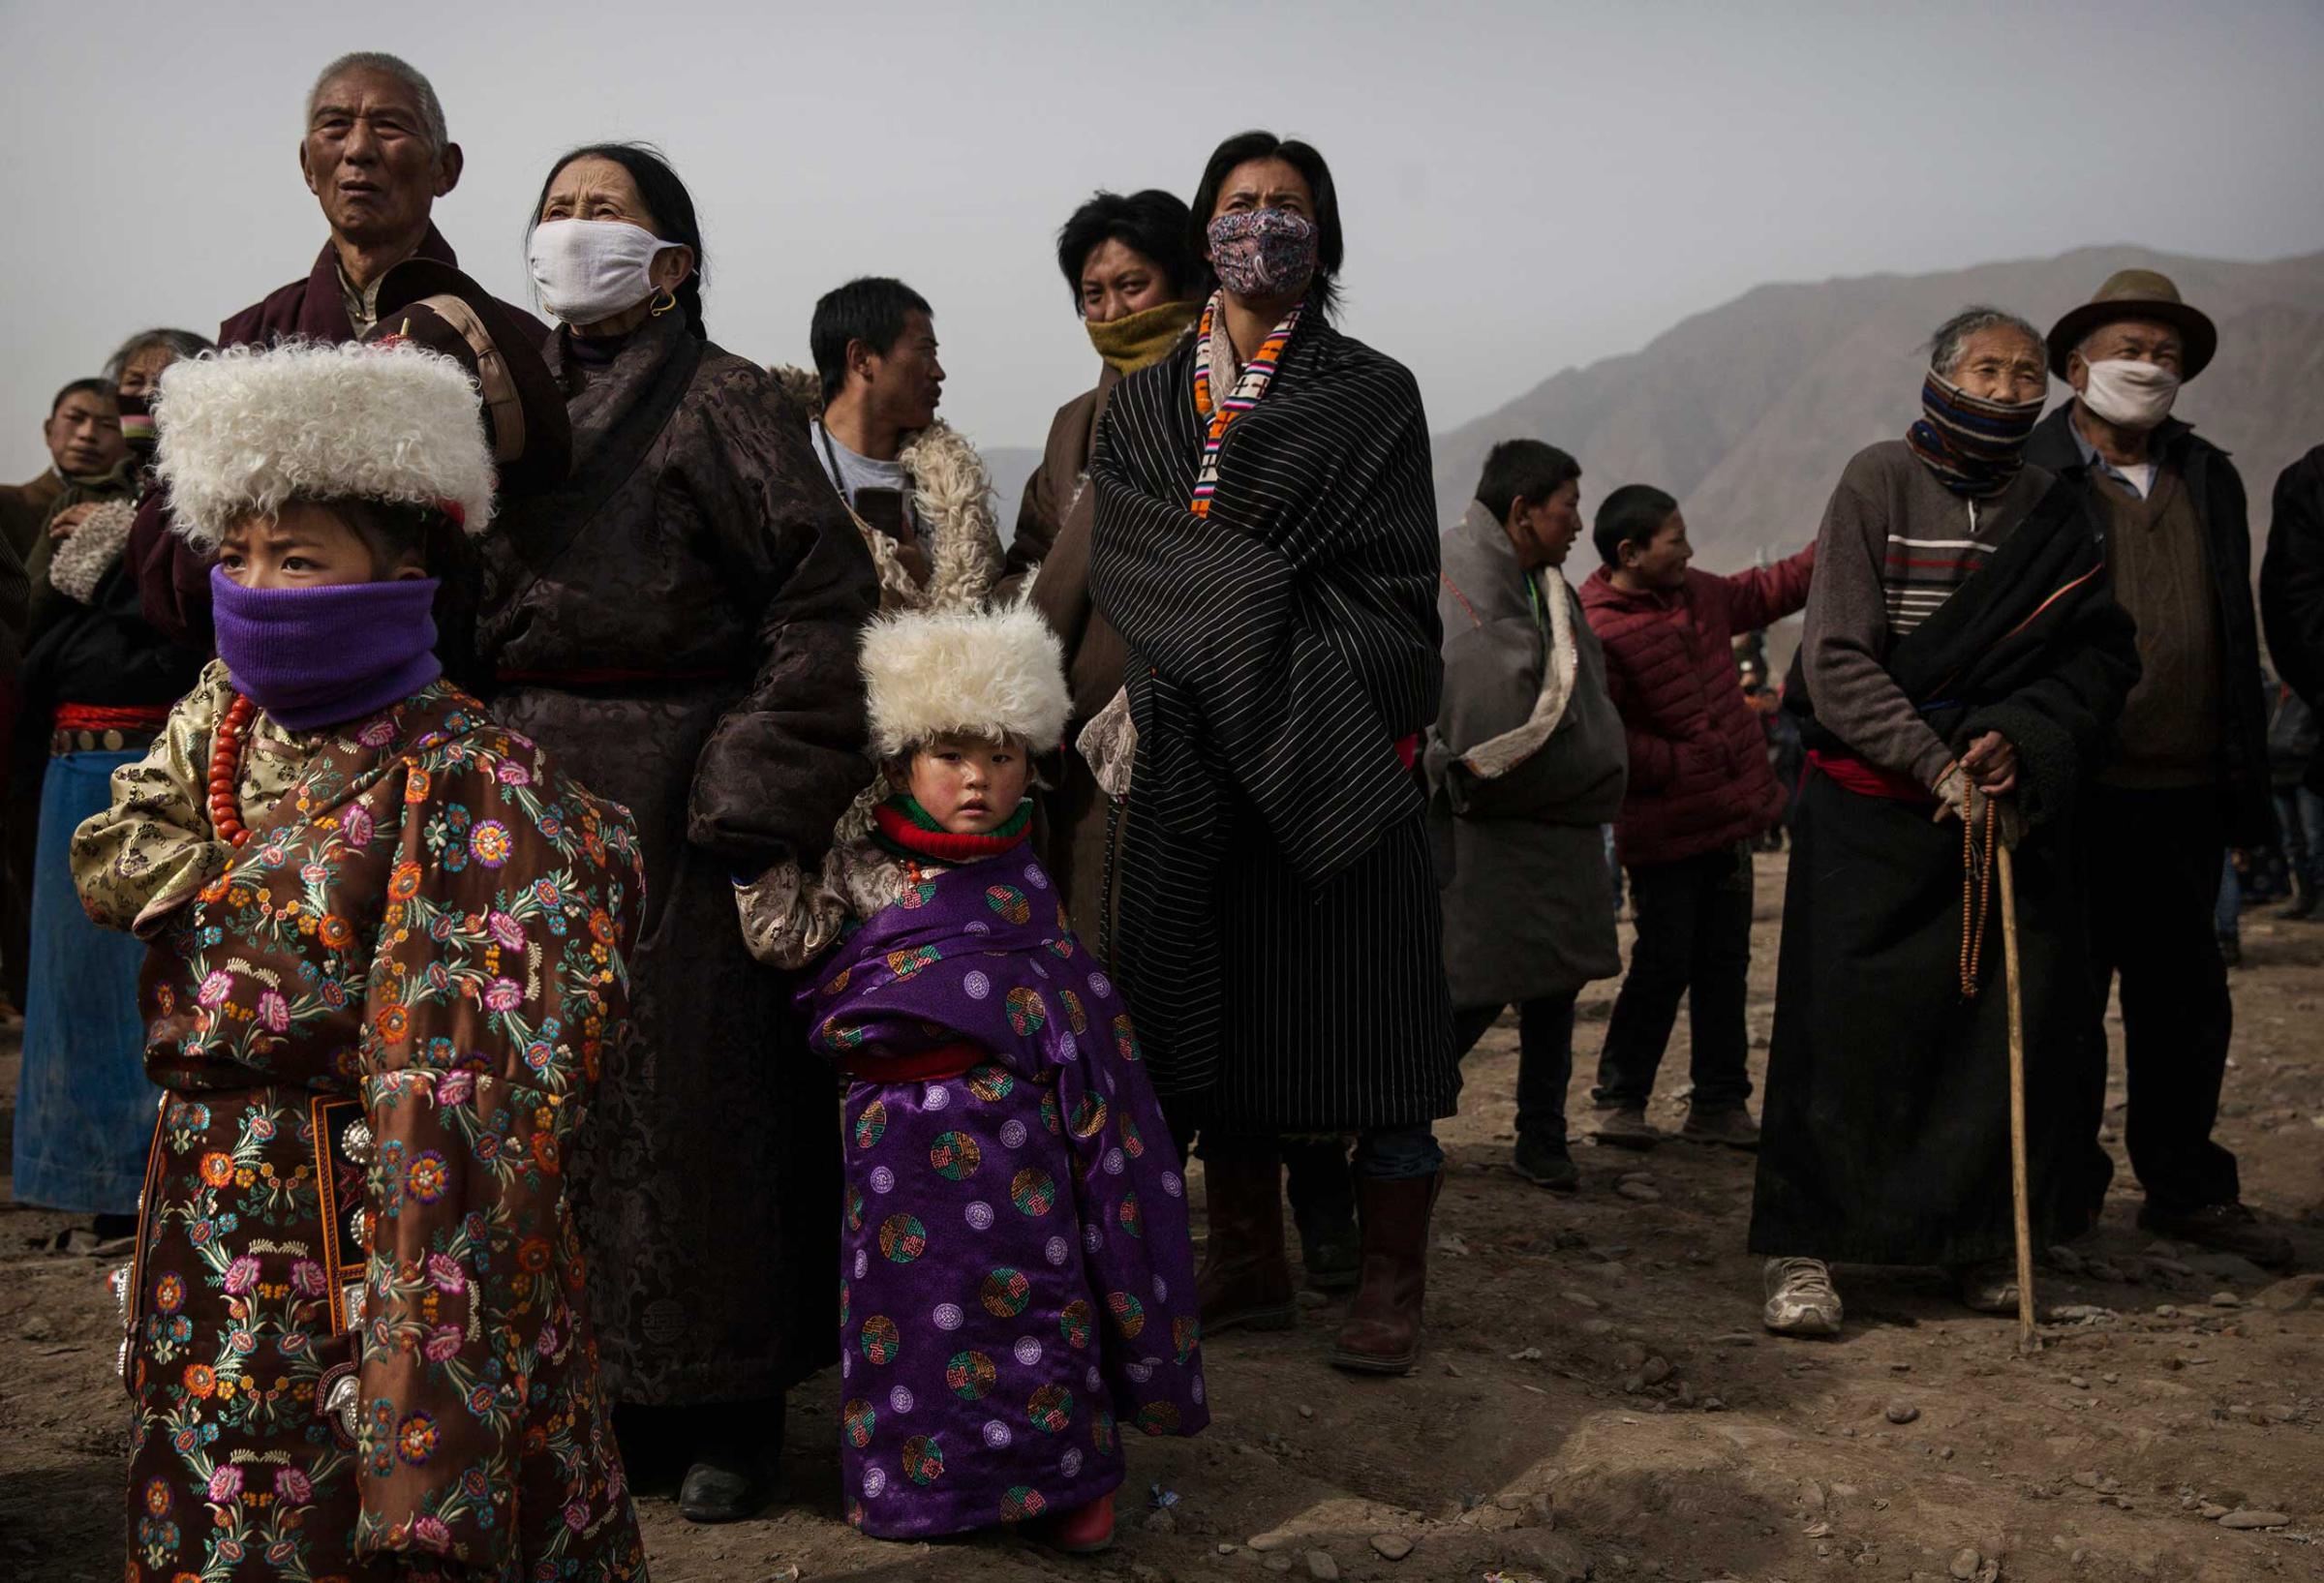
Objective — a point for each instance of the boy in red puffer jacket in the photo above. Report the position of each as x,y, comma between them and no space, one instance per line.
1700,795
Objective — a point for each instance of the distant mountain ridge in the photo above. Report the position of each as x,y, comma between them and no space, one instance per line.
1748,412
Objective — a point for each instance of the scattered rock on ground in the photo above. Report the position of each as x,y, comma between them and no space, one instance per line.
2291,1294
2248,1517
1391,1546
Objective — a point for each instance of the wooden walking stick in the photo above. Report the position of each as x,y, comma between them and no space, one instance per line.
2018,1190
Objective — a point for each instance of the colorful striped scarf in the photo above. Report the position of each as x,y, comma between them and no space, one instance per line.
1975,446
907,829
1256,375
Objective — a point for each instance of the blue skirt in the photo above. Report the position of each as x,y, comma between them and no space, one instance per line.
84,1109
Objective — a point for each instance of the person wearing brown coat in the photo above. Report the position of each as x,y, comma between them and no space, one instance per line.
1125,260
2188,780
376,155
678,624
25,507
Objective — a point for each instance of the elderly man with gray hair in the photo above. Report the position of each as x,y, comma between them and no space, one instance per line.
377,154
1963,662
2190,778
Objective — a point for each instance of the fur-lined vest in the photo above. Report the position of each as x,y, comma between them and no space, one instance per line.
952,497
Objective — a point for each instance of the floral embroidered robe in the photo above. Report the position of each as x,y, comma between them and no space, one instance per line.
425,930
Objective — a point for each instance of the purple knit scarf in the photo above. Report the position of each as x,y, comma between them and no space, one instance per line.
318,656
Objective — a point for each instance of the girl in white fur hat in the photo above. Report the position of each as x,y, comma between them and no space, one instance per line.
384,963
1019,1282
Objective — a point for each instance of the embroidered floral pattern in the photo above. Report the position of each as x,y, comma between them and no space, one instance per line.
410,927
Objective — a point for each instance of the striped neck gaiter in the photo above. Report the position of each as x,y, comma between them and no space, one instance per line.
1975,446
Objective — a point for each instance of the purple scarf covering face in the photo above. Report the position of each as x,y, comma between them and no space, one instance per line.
318,656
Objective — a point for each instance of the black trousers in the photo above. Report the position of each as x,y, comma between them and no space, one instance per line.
1693,941
1544,1059
2154,880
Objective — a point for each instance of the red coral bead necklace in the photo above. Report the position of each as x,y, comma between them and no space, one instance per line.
226,748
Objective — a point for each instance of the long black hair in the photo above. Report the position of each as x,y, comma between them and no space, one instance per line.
1240,149
666,200
1151,224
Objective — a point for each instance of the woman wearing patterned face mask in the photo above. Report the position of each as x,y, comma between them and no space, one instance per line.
1266,543
677,623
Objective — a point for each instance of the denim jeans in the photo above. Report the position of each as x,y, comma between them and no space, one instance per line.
2227,912
1394,1154
2300,817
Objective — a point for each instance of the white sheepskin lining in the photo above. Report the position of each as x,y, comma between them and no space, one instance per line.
246,429
939,673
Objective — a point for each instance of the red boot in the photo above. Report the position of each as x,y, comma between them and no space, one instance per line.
1084,1531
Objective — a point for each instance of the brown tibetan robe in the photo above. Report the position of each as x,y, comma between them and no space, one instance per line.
1052,548
355,1345
678,624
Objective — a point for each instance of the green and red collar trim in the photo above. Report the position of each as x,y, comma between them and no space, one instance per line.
905,827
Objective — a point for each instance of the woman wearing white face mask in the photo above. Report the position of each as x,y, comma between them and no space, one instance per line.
2189,777
678,624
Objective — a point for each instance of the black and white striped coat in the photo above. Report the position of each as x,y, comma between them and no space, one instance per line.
1279,931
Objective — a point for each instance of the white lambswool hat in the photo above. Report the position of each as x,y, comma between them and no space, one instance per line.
968,673
246,429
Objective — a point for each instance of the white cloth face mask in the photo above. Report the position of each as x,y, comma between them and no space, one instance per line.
588,270
2137,395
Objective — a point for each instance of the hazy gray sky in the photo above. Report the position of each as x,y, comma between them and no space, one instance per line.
1525,186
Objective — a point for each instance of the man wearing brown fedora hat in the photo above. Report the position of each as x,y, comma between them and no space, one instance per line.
2188,777
376,155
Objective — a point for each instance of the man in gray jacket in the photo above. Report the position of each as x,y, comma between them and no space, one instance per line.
1525,765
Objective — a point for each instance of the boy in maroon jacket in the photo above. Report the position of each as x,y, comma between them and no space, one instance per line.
1700,795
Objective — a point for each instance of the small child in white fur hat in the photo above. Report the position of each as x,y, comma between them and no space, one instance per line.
1020,1282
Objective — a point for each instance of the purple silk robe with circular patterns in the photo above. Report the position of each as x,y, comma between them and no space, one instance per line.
1020,1284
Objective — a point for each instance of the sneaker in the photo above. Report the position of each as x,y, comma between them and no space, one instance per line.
1544,1163
1625,1127
1801,1299
2231,950
1989,1287
1727,1125
2226,1228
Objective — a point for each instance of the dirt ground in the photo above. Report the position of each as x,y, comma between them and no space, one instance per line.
1596,1399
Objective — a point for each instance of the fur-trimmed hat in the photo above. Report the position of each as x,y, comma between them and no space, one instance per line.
969,673
246,429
